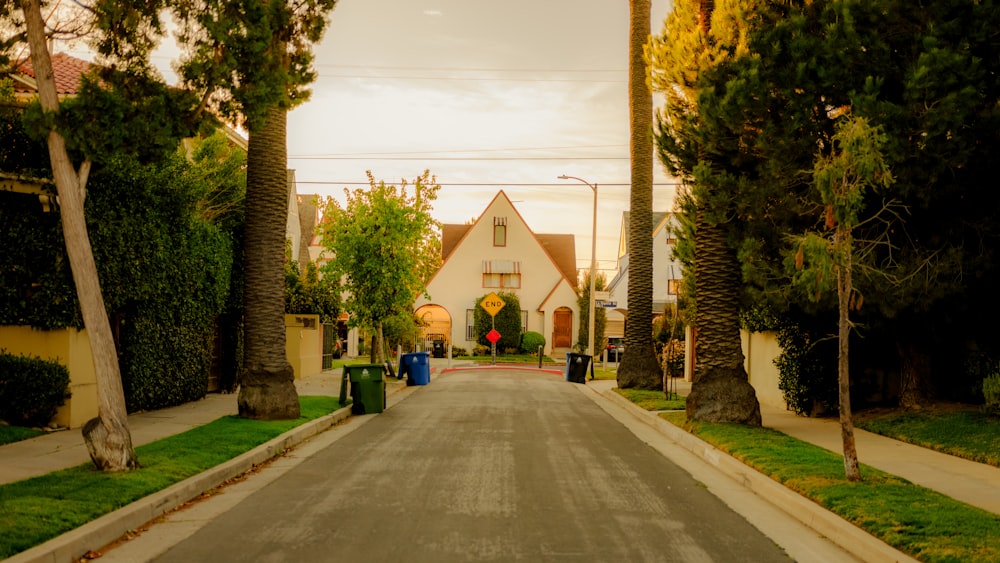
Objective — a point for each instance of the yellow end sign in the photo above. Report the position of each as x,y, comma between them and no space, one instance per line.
492,304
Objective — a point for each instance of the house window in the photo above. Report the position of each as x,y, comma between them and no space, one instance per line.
499,231
524,320
502,281
470,324
674,287
500,274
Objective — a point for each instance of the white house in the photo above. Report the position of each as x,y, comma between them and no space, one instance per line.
500,253
666,271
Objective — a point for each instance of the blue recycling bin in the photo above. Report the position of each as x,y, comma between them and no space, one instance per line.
417,367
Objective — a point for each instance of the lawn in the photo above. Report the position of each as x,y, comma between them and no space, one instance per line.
653,400
962,432
35,510
916,520
11,434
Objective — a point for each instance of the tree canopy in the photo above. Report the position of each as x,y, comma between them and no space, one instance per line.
749,103
378,240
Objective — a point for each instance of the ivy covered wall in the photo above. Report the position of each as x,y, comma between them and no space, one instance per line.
164,238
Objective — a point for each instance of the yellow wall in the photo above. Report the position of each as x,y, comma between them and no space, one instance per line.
304,344
760,349
69,347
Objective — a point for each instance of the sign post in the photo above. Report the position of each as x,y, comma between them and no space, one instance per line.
492,305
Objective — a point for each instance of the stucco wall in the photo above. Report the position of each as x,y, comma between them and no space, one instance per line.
304,344
69,347
759,350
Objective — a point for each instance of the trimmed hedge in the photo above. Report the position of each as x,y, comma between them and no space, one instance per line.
530,341
31,389
165,237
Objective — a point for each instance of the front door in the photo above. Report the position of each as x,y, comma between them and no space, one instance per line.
562,328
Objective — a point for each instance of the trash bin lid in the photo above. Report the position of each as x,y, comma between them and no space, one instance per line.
359,372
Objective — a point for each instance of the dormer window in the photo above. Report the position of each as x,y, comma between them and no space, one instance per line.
499,231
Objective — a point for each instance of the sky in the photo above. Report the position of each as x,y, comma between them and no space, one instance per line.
487,96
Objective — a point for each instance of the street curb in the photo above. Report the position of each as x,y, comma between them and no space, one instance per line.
71,546
851,538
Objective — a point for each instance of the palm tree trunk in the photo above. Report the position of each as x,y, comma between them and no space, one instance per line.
108,439
267,386
721,390
640,368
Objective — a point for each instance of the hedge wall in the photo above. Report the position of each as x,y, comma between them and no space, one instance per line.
165,270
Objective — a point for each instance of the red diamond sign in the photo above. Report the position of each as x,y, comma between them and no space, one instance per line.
493,336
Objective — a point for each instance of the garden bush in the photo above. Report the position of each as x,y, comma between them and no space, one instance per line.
991,393
31,389
530,341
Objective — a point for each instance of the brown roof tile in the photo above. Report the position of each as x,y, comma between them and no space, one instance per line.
67,70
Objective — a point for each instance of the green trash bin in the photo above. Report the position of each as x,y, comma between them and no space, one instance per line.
367,388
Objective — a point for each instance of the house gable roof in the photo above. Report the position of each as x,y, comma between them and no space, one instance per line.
560,248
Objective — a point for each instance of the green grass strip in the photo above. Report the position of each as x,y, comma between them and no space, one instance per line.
36,510
923,523
653,400
11,434
967,434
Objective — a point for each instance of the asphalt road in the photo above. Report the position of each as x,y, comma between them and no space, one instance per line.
481,466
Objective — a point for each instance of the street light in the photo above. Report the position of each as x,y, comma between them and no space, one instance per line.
593,265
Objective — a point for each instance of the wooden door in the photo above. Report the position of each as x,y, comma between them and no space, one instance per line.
562,328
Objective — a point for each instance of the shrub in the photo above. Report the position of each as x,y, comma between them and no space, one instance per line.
480,350
31,389
458,351
530,341
991,392
672,358
807,370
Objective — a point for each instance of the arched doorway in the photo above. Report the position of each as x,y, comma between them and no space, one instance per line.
435,329
562,328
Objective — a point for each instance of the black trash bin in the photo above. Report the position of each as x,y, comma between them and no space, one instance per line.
576,367
437,349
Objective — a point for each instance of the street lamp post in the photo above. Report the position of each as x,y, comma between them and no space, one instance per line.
593,266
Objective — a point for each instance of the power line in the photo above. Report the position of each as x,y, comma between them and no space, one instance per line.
451,151
473,78
490,184
467,69
469,158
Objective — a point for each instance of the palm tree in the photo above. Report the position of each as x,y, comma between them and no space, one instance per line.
721,390
255,72
640,368
267,386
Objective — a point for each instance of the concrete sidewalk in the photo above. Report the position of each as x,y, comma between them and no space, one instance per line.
973,483
64,449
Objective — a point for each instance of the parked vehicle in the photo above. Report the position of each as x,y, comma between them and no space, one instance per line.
615,348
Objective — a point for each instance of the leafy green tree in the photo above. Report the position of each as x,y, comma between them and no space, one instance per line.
108,438
761,107
308,292
252,60
375,240
854,165
640,368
